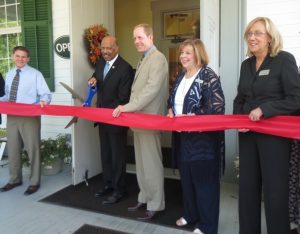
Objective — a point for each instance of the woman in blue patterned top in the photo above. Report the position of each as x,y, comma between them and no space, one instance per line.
197,91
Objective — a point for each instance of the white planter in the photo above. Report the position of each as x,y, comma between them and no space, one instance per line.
54,168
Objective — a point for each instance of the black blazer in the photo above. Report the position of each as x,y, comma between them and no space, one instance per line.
1,90
275,87
115,89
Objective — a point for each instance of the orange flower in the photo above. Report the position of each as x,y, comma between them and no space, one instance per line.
94,35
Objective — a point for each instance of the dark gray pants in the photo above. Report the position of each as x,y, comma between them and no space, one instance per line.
264,166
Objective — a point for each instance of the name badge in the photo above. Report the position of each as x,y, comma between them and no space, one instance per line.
198,80
264,72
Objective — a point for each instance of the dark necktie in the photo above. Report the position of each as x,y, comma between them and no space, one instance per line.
14,87
140,62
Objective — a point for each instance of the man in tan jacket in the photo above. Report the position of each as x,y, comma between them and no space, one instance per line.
148,95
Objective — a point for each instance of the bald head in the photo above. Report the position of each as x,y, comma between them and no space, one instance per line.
109,47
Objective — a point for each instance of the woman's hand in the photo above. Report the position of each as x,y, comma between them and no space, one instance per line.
256,114
243,130
170,113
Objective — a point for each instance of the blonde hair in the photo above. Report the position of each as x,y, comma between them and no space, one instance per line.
147,29
199,50
276,43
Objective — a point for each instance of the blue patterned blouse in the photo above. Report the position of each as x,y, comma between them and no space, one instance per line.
205,96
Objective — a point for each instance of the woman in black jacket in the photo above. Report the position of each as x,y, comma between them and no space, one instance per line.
269,86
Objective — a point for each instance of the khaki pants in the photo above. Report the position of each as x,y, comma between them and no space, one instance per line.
149,169
24,132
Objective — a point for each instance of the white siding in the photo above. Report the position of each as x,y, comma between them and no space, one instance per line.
52,125
286,15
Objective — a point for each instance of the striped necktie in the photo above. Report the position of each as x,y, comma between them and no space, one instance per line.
14,87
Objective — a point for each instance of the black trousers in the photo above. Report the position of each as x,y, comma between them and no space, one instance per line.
200,182
264,169
113,158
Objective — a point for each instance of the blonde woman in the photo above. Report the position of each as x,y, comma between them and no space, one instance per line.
268,86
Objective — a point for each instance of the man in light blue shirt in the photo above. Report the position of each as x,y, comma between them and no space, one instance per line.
24,84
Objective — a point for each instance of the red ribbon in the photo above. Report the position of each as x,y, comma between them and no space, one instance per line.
285,126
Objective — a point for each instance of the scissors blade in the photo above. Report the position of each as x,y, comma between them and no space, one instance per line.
74,94
73,120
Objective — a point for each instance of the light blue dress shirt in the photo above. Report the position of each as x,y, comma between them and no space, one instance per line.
32,87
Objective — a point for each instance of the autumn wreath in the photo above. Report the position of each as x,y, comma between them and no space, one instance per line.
94,35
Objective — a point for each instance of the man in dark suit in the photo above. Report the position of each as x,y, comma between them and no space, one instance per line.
113,77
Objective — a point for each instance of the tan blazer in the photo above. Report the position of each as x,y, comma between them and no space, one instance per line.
149,91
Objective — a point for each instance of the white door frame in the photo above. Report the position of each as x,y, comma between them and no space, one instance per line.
85,138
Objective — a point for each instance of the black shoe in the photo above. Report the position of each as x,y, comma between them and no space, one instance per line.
137,206
31,189
114,198
9,186
294,231
106,190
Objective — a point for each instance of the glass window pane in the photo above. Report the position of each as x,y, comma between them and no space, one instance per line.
4,66
11,13
10,1
3,46
2,17
19,15
1,2
20,38
12,41
11,64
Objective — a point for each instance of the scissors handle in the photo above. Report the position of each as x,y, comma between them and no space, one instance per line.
92,90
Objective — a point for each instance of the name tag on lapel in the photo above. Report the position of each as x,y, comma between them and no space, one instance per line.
198,80
264,72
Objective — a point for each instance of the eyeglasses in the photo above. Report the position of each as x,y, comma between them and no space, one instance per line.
256,34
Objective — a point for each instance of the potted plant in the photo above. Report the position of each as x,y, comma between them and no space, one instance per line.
54,152
64,148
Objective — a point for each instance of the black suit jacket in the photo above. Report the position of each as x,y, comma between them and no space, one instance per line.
1,90
115,89
275,87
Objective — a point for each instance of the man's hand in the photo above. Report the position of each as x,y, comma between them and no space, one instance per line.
42,103
92,81
118,111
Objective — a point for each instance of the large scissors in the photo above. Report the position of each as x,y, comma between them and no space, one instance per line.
92,90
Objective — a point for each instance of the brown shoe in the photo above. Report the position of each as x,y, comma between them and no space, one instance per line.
137,206
149,214
31,189
9,186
